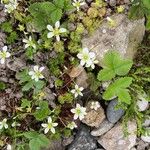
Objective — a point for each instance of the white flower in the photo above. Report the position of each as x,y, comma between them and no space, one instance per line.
9,147
36,73
3,124
55,31
146,136
87,58
79,112
29,43
78,3
72,125
4,54
11,6
95,105
77,91
142,103
49,126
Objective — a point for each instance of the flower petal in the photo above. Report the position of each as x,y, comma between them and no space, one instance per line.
57,24
50,28
53,130
44,125
58,38
62,30
50,35
49,120
46,130
4,48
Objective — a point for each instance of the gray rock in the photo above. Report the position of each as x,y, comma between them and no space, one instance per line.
83,140
141,145
81,80
113,115
16,64
112,2
56,145
68,140
103,128
2,39
124,37
115,140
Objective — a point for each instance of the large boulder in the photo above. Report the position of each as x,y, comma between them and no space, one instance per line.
124,37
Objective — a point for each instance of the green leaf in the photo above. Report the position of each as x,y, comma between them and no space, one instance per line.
27,86
31,135
36,140
114,65
118,88
106,74
56,15
43,111
124,96
59,3
25,103
2,86
41,12
146,3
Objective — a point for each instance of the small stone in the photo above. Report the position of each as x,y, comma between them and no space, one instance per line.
113,115
103,128
141,145
16,64
115,140
71,26
68,140
147,122
76,71
112,2
93,118
83,140
81,80
56,145
142,105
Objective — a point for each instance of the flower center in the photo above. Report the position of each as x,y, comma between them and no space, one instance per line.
78,111
50,125
56,32
85,57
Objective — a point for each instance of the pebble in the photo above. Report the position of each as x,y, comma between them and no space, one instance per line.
103,128
83,140
112,114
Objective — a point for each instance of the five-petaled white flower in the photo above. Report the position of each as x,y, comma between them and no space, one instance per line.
4,54
87,58
55,31
11,6
3,124
77,91
79,112
29,42
49,126
95,105
72,125
78,3
36,73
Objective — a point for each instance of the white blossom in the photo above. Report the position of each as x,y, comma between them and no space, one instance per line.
72,125
55,31
78,3
3,124
95,105
9,147
11,6
29,42
49,126
4,54
36,74
77,91
79,112
87,58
